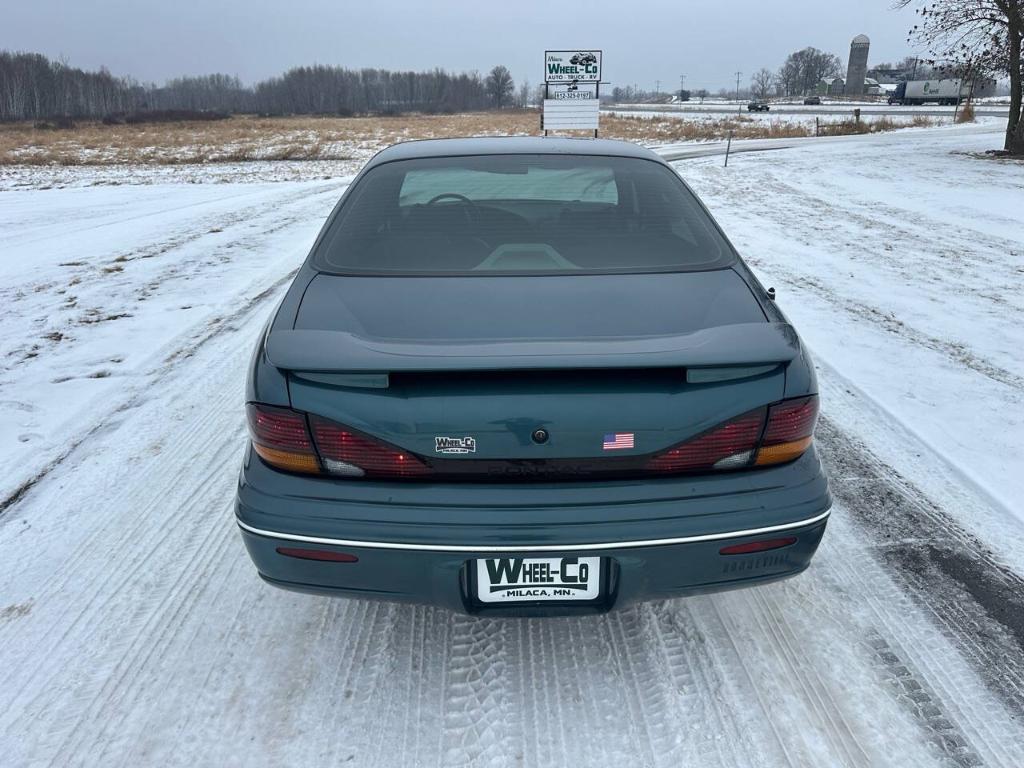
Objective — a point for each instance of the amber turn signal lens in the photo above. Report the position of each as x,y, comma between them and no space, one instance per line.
286,460
783,452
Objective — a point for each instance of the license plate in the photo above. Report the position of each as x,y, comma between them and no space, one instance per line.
526,579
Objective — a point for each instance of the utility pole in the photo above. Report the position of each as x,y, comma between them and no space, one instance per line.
682,86
657,88
738,76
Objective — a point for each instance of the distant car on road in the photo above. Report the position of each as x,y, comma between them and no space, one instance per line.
758,106
528,376
812,101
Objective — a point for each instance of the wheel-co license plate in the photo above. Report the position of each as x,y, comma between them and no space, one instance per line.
521,579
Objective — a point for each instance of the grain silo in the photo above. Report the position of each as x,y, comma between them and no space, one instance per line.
857,69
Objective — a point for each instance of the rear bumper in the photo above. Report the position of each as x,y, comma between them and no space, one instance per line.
414,543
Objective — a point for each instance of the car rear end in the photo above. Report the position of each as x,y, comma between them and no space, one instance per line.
530,429
424,542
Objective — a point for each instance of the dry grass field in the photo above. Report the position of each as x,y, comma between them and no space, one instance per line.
247,138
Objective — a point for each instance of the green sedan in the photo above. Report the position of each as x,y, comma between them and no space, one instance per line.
528,376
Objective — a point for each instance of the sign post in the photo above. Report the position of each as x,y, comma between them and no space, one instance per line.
571,90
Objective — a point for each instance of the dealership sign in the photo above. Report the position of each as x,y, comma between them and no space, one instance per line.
572,66
571,83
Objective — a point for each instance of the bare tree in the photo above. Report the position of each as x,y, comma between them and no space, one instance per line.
523,100
803,70
500,86
761,83
980,35
701,93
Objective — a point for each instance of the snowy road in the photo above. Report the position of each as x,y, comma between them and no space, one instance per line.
133,630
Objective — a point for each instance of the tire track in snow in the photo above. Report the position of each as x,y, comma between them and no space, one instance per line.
755,716
906,685
923,672
145,505
552,686
819,695
191,340
585,695
643,693
479,710
713,734
973,597
429,631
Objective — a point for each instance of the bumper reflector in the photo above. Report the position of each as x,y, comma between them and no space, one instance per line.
318,554
757,546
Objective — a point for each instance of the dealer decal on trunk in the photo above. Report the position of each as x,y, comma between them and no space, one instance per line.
455,444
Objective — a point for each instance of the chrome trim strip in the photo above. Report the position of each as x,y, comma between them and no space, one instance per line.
533,547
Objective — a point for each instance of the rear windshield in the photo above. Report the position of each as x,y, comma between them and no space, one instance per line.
516,214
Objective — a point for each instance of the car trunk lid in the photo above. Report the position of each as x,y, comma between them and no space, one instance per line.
656,357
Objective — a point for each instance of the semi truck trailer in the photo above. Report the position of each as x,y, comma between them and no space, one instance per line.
949,91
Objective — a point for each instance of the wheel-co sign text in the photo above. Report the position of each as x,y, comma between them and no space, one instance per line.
568,66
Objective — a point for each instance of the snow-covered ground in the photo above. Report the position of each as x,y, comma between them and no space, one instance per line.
36,177
809,117
903,271
133,630
804,119
104,289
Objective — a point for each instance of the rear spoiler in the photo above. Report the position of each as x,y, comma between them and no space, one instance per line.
743,344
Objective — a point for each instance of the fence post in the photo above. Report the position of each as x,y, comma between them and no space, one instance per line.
817,126
728,146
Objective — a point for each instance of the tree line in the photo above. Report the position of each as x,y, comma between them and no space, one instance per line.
33,87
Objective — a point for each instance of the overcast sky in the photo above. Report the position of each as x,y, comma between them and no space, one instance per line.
642,40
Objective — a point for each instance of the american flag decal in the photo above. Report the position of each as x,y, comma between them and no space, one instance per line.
618,440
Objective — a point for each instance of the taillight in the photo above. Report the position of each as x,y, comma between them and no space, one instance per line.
728,446
350,454
280,438
746,440
789,432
